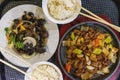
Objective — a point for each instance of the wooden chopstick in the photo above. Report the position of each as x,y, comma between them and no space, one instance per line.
99,19
84,9
94,15
24,61
104,22
19,70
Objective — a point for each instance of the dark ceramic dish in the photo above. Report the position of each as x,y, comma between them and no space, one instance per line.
102,28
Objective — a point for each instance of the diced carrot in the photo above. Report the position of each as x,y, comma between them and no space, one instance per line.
68,67
97,42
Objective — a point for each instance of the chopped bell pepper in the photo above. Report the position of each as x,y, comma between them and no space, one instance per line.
77,51
97,51
72,36
108,39
22,28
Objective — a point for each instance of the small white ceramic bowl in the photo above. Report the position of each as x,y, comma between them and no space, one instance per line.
48,64
70,19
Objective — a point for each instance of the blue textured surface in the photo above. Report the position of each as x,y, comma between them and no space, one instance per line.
12,74
106,7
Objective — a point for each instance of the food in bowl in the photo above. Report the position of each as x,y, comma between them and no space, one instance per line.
62,9
45,71
27,35
89,52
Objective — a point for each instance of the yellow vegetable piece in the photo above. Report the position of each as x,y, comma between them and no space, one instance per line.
101,36
16,31
110,46
105,51
108,39
73,42
82,40
97,51
101,43
93,57
22,28
77,51
115,50
72,36
11,45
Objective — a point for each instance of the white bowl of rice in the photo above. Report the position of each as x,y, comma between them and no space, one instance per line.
44,71
61,11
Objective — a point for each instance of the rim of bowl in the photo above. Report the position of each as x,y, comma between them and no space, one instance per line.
44,63
45,10
106,27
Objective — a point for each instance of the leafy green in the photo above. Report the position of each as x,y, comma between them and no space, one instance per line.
7,30
19,44
12,39
20,37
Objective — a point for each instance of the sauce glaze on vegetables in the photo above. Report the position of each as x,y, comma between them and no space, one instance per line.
89,52
27,35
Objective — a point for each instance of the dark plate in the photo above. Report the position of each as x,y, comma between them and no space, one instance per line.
102,28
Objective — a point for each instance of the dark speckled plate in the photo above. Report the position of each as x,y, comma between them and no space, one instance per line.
102,28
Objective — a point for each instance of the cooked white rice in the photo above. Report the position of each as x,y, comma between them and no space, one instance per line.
46,72
61,9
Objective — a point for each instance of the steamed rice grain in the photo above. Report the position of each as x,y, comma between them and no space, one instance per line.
61,9
46,72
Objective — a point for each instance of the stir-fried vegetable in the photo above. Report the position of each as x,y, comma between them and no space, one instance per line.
97,51
89,52
68,67
72,36
77,51
108,39
27,35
